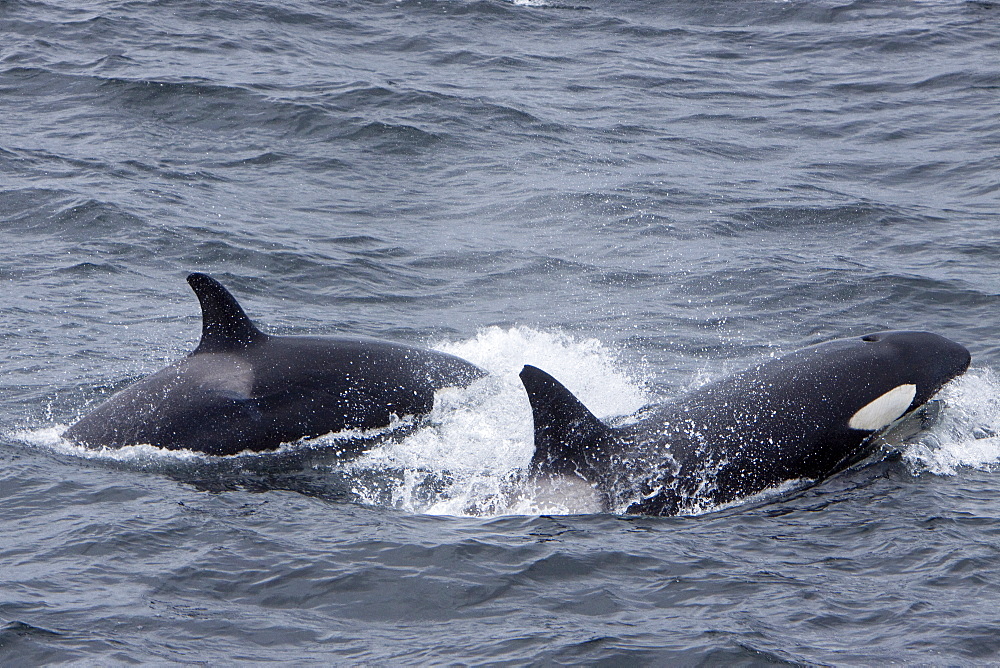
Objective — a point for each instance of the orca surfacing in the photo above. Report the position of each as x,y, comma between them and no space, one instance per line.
242,389
806,415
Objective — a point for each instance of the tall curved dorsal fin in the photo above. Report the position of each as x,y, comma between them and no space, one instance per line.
568,437
224,324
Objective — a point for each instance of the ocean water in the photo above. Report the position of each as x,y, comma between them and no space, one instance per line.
637,197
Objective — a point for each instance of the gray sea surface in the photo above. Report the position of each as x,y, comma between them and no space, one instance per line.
638,197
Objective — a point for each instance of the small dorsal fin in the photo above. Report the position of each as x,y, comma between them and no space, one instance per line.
568,437
224,324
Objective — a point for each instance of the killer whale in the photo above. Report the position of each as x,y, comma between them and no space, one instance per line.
803,416
242,389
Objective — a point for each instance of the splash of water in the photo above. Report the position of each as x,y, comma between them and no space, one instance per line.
967,434
480,439
51,437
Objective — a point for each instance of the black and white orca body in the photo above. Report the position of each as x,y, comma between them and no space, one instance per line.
806,415
242,389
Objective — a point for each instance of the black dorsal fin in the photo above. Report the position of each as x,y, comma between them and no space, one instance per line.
568,437
224,324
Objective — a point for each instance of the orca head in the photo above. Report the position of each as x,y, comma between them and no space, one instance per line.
896,372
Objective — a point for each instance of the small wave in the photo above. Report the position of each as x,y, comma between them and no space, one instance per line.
394,138
50,437
547,4
702,506
151,457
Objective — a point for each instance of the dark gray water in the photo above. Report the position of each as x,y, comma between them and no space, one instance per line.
636,197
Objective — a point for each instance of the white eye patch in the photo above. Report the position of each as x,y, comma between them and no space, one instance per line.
885,410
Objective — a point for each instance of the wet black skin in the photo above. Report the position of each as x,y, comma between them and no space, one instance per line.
242,389
783,420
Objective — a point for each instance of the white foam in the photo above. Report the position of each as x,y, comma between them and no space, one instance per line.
701,506
51,437
587,367
967,434
481,438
